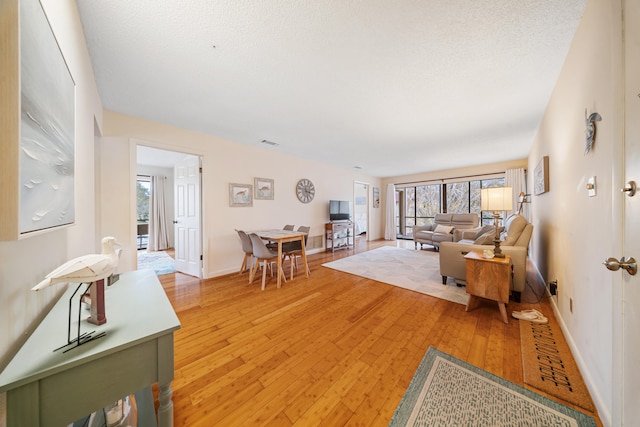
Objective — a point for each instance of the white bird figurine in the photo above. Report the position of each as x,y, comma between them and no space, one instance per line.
86,268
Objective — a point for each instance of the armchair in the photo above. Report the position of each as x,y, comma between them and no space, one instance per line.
515,243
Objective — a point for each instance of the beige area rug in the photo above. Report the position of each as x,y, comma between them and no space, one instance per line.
406,268
548,365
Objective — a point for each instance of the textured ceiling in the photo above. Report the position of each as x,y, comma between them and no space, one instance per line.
394,87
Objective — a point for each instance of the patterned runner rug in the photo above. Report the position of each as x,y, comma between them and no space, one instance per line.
548,365
406,268
160,262
446,391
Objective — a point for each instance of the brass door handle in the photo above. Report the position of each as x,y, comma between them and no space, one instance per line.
628,264
630,189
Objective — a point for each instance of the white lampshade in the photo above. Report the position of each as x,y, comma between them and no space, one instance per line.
496,199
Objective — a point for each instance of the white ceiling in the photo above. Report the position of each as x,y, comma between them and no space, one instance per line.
394,87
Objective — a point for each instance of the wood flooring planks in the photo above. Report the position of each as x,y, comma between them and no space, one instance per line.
331,349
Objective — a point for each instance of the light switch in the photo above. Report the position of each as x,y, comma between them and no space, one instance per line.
591,186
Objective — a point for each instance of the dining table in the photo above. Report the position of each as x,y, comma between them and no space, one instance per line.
284,236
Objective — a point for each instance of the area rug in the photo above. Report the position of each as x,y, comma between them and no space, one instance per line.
406,268
446,391
548,365
159,262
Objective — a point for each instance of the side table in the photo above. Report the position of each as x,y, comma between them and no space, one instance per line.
47,388
488,278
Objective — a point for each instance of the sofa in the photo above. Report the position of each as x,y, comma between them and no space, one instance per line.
514,241
445,228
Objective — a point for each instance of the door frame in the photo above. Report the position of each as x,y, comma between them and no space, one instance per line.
134,143
368,213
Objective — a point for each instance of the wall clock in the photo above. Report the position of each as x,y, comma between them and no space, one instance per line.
305,190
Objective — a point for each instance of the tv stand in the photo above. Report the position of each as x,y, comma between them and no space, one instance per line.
339,235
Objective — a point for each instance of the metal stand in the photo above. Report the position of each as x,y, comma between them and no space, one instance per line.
81,338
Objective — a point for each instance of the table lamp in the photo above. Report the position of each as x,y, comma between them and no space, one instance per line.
496,199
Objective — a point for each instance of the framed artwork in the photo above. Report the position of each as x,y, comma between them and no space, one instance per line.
541,177
240,195
263,188
376,197
47,137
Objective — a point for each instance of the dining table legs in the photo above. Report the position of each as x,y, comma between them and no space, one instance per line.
304,259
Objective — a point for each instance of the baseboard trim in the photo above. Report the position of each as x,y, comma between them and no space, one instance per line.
603,413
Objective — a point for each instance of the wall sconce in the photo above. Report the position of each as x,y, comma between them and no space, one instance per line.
496,199
522,199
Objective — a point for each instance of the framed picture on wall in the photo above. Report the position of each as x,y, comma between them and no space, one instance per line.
541,177
240,195
263,188
46,129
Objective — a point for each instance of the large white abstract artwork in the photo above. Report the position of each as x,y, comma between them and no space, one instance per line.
47,134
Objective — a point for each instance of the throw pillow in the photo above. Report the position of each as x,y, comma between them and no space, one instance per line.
514,228
485,239
483,230
444,229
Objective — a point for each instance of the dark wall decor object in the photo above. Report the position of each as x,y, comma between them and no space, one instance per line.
590,129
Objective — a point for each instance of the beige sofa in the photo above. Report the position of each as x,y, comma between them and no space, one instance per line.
515,242
450,225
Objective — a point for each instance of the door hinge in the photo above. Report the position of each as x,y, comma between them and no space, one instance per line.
200,169
201,258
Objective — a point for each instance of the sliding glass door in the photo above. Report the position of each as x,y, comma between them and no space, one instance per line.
418,205
143,193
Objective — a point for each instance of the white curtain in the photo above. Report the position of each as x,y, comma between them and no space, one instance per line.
516,179
158,232
390,214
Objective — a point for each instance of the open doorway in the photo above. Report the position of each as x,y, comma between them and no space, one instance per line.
143,205
361,208
158,211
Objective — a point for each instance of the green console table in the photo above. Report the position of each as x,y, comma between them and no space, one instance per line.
47,388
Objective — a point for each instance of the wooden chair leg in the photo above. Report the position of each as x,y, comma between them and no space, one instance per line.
253,272
264,274
290,267
243,267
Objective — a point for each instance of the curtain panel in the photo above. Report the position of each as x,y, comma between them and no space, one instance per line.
390,213
516,179
158,231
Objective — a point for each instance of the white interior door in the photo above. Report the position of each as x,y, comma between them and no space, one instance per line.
630,292
361,207
187,233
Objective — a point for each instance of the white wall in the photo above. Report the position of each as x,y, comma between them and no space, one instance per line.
573,232
223,162
25,262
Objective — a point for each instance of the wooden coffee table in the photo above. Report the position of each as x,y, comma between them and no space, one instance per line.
488,278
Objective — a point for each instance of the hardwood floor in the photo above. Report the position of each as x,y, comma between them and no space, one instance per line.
334,349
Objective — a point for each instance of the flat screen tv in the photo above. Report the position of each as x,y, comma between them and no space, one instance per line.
339,210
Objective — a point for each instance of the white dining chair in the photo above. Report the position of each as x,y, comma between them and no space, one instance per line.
247,247
264,255
293,250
